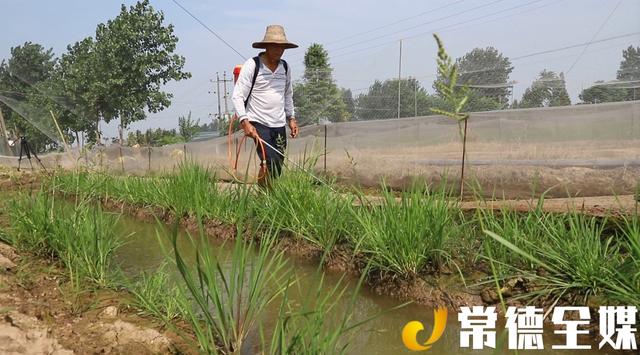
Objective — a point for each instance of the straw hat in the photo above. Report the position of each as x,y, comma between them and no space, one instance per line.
274,34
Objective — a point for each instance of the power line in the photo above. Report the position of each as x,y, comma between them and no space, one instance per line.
453,25
553,2
457,24
395,22
474,19
438,29
208,29
595,35
576,45
419,25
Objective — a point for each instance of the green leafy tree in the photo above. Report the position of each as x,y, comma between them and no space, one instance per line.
119,75
630,70
154,137
378,101
30,65
349,102
381,100
455,97
602,93
188,127
548,90
134,59
486,71
51,111
80,86
317,96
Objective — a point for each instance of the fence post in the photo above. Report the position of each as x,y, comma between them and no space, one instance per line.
101,154
121,159
325,149
149,157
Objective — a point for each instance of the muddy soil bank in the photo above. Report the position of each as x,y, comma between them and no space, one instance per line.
41,314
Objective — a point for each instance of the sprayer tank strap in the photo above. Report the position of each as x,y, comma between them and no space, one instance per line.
256,70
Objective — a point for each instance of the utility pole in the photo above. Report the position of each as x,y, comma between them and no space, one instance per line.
218,92
226,110
415,98
399,76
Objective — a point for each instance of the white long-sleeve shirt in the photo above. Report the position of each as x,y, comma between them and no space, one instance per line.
271,101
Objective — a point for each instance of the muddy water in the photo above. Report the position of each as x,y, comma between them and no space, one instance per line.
144,252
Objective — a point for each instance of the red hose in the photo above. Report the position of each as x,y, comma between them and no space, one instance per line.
233,163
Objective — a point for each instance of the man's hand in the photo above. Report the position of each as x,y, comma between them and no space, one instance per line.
249,129
293,125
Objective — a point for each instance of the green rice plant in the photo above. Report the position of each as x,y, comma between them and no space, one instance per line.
575,255
230,297
90,248
154,295
297,205
191,190
625,281
81,236
32,223
404,236
522,230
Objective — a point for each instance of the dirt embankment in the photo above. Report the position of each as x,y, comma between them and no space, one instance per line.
41,314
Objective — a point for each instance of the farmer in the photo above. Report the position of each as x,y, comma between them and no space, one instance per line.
263,100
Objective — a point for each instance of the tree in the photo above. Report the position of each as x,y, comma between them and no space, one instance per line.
154,137
134,58
30,65
377,103
318,97
381,100
549,89
349,102
630,70
602,93
79,84
486,72
187,127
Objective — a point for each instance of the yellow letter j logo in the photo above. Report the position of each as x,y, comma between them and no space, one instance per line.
411,329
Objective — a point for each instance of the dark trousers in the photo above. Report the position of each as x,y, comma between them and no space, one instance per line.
277,138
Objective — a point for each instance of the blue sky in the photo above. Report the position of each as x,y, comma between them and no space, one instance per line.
515,28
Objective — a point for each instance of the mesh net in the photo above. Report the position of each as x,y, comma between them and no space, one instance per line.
582,150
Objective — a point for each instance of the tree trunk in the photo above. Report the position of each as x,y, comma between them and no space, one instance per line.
3,131
464,153
120,131
98,140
